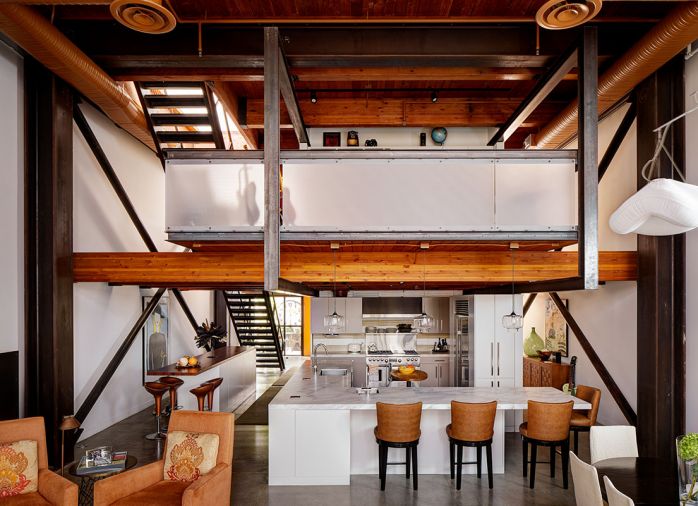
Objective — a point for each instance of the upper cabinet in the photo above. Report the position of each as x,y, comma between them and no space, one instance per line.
349,307
439,309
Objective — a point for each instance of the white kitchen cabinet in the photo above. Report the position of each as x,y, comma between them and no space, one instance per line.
353,317
438,369
439,309
432,374
349,307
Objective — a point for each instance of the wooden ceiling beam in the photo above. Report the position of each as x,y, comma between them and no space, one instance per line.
432,73
201,269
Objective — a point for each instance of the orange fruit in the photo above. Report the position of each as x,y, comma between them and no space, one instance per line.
193,361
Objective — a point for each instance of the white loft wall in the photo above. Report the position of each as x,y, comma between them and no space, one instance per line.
608,315
12,207
389,137
691,255
104,314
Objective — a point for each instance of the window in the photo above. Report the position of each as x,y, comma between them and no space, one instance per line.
290,312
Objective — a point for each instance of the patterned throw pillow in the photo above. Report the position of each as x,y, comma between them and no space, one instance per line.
19,469
190,455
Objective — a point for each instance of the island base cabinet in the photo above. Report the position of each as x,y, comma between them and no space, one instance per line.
309,447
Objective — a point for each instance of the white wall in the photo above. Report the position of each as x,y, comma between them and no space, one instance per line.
12,207
691,255
104,314
608,315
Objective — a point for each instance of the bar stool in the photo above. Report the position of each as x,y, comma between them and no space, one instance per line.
582,419
216,382
157,390
398,427
173,383
201,392
548,425
472,424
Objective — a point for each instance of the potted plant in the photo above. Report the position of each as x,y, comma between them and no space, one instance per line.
687,456
210,336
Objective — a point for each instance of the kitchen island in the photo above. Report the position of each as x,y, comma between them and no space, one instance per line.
321,430
235,364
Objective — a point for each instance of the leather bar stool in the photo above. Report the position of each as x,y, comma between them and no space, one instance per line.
201,392
216,382
472,425
173,383
398,427
582,419
548,425
157,390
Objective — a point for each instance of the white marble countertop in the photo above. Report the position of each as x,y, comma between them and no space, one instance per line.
305,390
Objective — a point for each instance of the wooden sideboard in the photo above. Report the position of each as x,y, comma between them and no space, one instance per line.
537,373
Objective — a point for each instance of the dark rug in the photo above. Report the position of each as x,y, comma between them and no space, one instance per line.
257,413
284,377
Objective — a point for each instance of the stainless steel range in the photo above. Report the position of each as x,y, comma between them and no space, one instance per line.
394,350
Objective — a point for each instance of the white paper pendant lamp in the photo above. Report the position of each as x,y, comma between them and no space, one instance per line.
662,207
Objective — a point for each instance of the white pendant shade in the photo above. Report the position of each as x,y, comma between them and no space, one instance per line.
334,322
662,207
512,321
423,322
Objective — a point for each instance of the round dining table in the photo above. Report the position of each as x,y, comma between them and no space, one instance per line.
646,480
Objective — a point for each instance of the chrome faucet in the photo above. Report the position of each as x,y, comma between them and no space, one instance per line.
313,358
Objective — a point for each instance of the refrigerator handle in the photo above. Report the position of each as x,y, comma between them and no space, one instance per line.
491,359
497,359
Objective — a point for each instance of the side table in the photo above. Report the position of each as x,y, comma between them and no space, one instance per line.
87,482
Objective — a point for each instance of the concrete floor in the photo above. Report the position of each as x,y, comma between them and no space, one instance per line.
250,487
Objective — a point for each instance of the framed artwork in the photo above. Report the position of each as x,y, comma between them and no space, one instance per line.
156,336
331,139
556,330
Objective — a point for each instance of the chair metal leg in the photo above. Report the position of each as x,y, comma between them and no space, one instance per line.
534,451
415,471
553,452
452,452
565,463
479,461
383,462
407,462
488,449
525,457
459,468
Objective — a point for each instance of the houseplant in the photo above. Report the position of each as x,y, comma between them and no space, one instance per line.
210,336
687,456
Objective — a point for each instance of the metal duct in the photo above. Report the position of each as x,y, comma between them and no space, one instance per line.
658,46
49,46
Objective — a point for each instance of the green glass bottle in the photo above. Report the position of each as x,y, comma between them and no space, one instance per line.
533,343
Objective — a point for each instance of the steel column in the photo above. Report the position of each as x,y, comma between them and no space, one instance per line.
272,145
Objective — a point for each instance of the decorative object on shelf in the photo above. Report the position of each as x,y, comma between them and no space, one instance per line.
371,143
423,139
155,333
687,456
544,354
69,423
187,362
512,321
334,322
210,336
331,139
562,14
352,138
438,135
663,206
556,330
533,344
423,322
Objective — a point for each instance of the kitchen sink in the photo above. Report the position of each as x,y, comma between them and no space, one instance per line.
334,372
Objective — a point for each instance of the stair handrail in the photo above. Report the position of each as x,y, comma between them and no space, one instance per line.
270,302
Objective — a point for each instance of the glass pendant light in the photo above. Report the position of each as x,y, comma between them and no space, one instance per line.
512,321
423,322
334,322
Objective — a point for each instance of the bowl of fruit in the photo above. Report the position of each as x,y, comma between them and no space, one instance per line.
187,362
406,370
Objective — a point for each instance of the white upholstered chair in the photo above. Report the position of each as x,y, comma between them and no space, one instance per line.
612,441
587,491
616,497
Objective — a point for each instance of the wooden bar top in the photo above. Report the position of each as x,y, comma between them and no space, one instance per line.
207,360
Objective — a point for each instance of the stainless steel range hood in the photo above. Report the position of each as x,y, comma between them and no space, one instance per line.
391,308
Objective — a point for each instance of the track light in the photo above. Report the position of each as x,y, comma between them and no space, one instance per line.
313,97
434,97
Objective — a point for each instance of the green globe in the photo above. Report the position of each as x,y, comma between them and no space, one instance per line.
438,135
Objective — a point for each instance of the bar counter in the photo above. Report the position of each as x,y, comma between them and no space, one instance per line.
237,365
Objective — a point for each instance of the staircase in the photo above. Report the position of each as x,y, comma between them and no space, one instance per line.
181,115
256,324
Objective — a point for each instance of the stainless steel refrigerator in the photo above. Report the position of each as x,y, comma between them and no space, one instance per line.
462,310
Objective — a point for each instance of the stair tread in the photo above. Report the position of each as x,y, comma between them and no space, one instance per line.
184,136
180,119
174,101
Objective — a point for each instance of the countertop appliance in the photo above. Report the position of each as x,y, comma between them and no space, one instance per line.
462,309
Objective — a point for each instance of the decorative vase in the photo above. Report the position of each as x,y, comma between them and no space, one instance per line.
687,457
533,343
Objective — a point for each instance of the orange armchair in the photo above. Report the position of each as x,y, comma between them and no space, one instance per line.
53,488
145,485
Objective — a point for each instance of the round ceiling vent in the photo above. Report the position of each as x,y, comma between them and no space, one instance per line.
147,16
561,14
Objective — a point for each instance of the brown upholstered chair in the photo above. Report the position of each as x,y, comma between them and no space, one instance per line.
145,485
201,393
216,382
398,427
582,419
472,425
173,383
53,488
548,425
157,390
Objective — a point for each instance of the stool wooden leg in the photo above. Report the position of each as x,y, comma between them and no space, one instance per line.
488,448
407,462
565,463
415,469
459,468
452,454
552,461
479,461
200,400
534,452
525,457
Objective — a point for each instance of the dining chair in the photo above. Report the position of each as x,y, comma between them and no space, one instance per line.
584,419
587,491
615,496
612,441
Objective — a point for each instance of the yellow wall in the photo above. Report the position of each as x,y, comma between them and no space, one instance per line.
306,326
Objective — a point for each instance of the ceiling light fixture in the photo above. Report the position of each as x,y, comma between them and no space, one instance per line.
562,14
512,321
334,322
434,97
313,97
423,322
145,16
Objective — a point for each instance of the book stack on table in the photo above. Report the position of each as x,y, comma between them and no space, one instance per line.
101,460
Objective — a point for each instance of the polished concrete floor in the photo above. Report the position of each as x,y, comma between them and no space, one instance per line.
250,472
